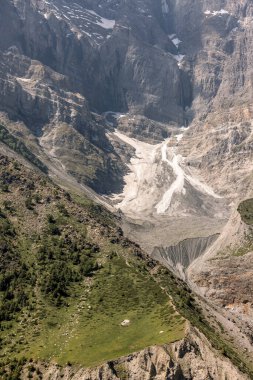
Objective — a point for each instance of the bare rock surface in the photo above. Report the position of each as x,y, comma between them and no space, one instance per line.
224,274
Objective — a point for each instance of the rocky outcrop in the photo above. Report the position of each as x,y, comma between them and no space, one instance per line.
223,145
189,359
224,274
144,129
58,121
104,53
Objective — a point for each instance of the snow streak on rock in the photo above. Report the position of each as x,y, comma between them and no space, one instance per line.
165,7
175,40
216,13
138,194
81,20
177,186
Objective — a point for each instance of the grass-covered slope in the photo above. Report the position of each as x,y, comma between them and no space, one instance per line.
246,211
68,278
19,147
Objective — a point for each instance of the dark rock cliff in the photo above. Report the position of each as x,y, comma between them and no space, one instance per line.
169,61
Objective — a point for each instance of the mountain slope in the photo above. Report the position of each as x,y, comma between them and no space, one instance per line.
148,104
224,273
64,269
88,294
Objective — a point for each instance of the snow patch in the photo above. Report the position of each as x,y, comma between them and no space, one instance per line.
165,7
177,186
145,186
179,58
82,21
216,13
138,193
103,22
116,115
175,40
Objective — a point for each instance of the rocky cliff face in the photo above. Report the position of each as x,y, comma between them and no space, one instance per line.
175,62
216,40
104,54
57,120
220,139
103,48
60,60
224,274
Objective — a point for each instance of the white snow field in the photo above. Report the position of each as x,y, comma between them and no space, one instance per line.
139,193
156,177
216,13
82,21
178,185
